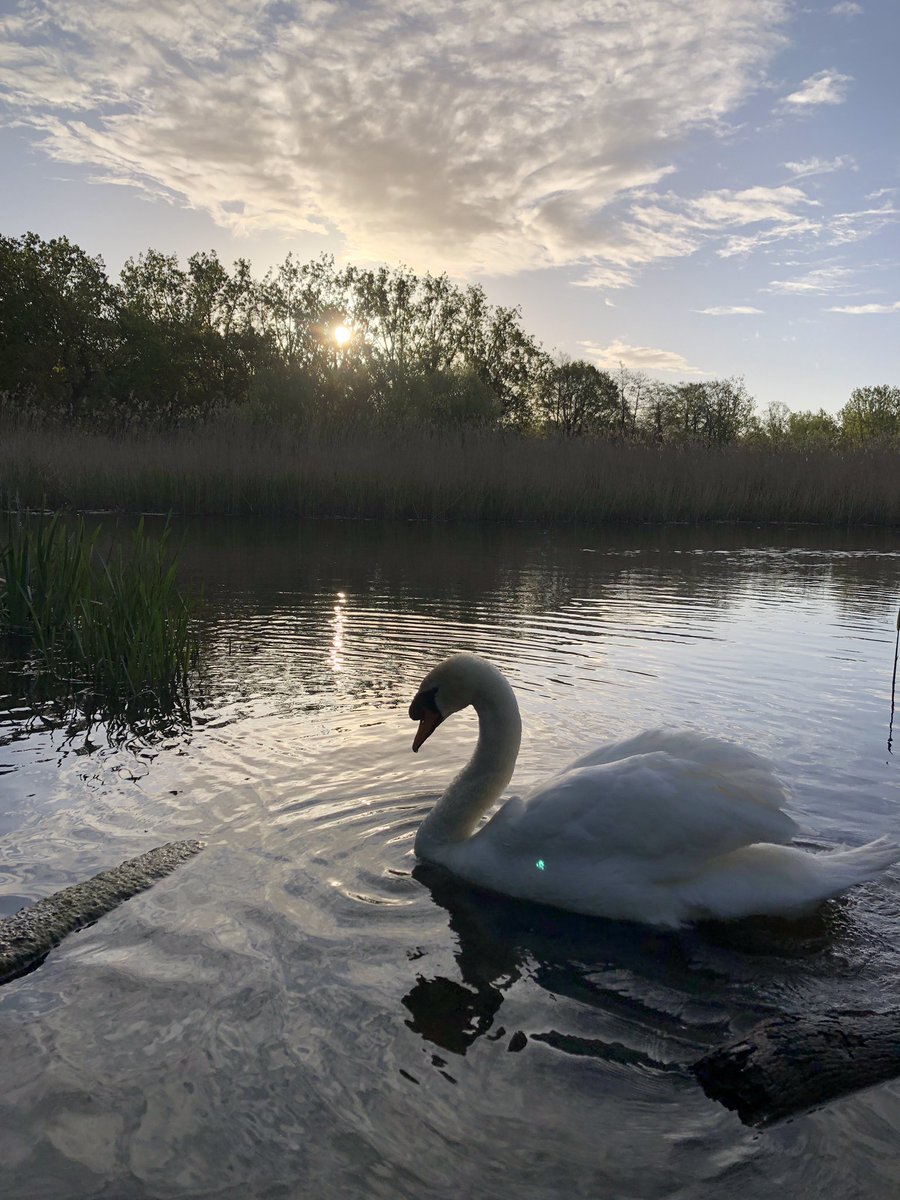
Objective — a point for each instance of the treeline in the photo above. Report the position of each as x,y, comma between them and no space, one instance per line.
317,345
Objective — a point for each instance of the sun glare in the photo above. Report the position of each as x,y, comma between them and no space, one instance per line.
342,335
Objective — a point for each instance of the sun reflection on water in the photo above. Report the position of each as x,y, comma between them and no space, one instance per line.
336,654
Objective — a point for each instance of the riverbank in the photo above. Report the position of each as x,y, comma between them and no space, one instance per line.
448,476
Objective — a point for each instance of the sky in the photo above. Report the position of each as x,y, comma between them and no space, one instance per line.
697,188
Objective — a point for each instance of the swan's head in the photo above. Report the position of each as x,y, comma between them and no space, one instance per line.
453,684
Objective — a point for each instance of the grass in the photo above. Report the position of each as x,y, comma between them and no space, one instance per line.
230,469
114,627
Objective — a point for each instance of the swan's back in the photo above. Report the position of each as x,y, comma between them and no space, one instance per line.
668,799
711,753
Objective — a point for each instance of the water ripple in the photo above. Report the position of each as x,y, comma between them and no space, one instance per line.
306,1007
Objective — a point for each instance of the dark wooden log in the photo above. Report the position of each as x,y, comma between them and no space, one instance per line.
791,1064
28,936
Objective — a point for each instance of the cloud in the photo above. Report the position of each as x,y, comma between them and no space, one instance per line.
818,282
859,310
606,277
749,206
729,310
643,358
657,226
481,137
847,227
742,245
846,8
827,87
836,229
821,166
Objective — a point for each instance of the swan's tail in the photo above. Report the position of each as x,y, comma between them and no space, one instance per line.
783,880
863,862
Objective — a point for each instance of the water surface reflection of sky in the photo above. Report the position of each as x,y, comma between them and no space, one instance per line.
304,1010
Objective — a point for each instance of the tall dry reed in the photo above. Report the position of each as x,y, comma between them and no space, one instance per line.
441,475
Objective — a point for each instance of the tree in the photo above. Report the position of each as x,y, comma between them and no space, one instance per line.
187,342
504,357
728,411
716,412
775,423
56,322
635,389
813,431
579,398
871,414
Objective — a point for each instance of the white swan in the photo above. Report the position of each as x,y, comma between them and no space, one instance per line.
664,828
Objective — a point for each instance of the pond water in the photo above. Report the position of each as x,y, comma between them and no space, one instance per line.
300,1011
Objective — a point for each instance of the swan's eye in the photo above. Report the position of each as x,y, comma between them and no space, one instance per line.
425,702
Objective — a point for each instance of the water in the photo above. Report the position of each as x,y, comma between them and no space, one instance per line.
302,1011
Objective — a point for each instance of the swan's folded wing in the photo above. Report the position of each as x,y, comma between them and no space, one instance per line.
713,753
652,807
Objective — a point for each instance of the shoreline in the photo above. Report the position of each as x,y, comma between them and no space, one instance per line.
529,522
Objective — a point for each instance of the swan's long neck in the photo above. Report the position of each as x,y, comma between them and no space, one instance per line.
482,779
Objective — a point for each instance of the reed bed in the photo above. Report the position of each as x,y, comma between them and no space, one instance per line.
439,475
113,626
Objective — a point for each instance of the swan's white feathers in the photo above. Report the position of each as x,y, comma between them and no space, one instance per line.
710,752
665,827
669,812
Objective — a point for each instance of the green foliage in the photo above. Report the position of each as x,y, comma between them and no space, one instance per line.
172,345
186,344
115,625
872,414
56,324
779,426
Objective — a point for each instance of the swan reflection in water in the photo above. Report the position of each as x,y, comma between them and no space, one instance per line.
665,849
662,998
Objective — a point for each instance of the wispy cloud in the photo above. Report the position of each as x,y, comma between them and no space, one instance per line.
821,166
817,282
606,277
860,310
847,227
751,205
825,87
657,226
846,8
741,245
729,310
484,137
644,358
834,229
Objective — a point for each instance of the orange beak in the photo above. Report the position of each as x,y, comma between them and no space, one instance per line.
427,726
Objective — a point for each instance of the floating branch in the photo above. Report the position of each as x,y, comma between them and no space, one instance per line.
790,1064
27,937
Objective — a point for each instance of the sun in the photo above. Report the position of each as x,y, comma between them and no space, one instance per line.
342,334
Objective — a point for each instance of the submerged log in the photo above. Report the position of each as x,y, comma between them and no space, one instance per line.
791,1064
28,936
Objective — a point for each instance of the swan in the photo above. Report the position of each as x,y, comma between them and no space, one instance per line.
665,828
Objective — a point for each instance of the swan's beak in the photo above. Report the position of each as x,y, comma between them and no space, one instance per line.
427,726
